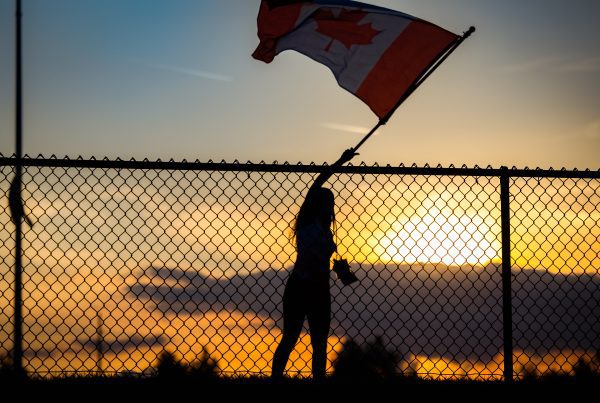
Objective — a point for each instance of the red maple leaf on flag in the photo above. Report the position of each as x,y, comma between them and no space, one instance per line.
345,27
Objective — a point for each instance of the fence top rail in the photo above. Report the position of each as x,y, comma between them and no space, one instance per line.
237,166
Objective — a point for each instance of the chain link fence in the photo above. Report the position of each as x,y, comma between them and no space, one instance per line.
126,260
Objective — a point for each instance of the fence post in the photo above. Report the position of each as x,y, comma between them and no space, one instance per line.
506,274
18,325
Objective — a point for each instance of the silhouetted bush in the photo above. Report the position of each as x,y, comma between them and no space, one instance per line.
529,373
373,362
169,368
204,367
586,371
7,370
6,367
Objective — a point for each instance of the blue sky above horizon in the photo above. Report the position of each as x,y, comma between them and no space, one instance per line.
175,79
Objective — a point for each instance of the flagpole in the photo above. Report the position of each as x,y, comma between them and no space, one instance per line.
417,83
18,317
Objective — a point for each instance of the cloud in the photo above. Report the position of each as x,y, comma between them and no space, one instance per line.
127,343
560,64
589,131
114,346
190,72
588,65
406,304
533,65
345,128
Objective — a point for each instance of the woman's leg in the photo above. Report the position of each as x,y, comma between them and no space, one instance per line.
319,320
293,320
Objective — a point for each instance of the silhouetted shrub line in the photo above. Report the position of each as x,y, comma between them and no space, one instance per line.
370,364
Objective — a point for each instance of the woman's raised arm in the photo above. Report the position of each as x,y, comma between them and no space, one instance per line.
346,156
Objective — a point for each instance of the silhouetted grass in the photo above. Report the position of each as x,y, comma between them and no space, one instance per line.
193,388
366,370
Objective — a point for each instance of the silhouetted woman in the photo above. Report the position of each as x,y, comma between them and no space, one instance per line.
307,290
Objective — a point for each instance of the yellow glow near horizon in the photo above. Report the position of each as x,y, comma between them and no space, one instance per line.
435,238
559,249
441,368
439,233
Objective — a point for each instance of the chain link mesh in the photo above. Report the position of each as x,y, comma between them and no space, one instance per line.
555,242
125,263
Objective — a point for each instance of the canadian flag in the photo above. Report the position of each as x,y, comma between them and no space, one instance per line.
375,53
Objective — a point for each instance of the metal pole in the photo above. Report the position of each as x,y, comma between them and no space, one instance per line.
18,341
506,275
417,83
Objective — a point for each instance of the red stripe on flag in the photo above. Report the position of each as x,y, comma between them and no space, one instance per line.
401,64
273,24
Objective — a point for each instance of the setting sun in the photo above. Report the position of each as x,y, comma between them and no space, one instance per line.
440,235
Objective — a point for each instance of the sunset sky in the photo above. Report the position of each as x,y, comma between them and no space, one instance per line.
175,79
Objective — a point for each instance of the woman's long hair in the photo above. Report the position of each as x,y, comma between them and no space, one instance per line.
318,205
